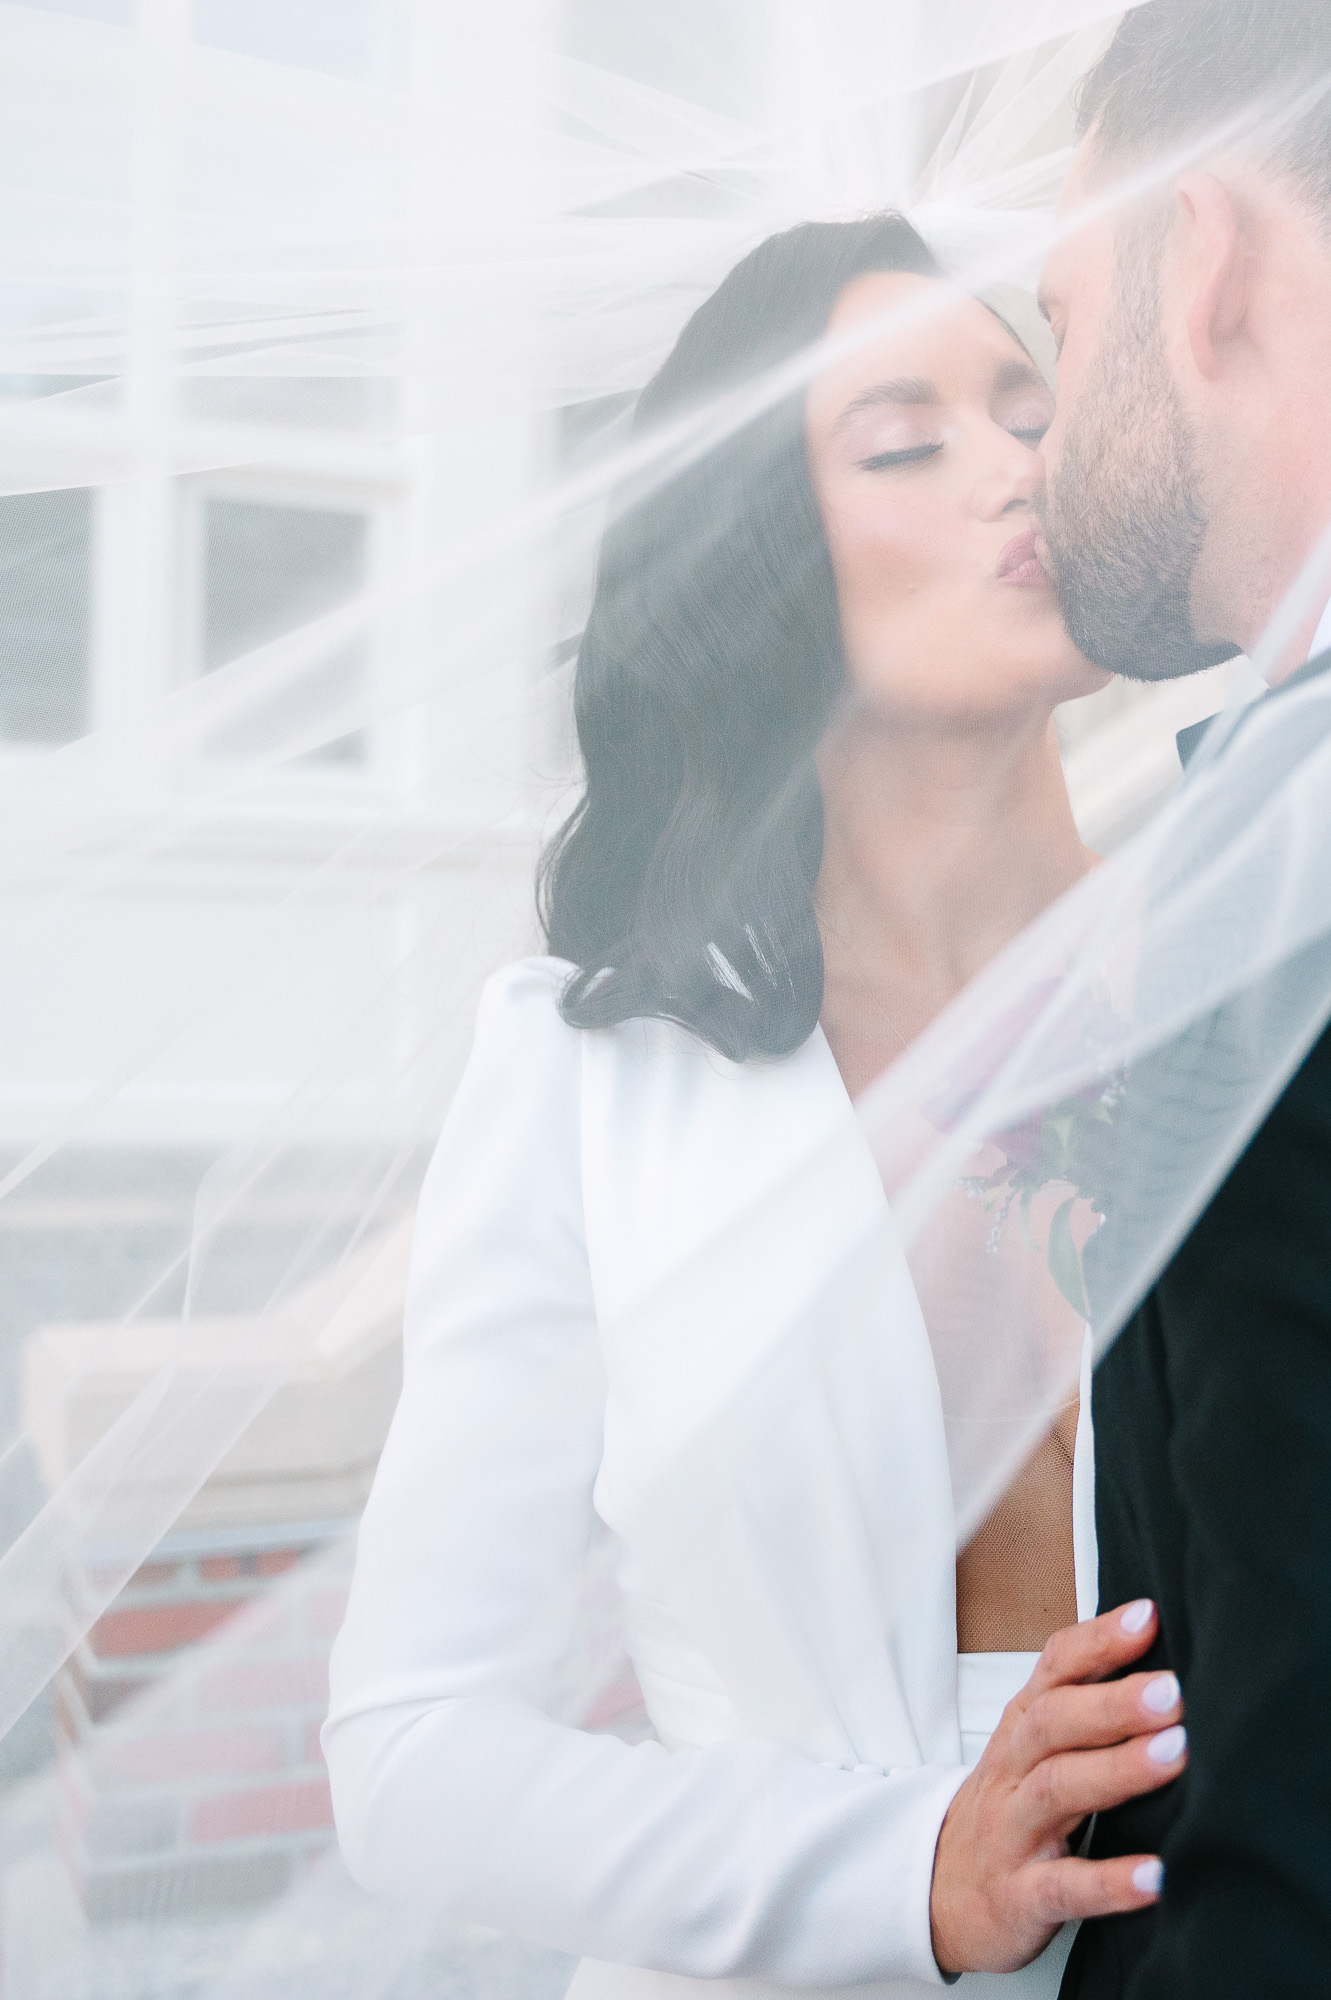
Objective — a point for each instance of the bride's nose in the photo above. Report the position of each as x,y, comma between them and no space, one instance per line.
1009,480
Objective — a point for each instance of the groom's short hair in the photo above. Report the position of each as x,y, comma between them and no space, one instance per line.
1255,73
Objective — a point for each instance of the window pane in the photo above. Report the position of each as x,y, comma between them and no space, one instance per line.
45,615
267,570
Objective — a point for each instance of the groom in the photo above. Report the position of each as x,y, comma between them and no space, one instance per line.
1189,482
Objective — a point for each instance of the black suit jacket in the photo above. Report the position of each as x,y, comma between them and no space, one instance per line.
1213,1496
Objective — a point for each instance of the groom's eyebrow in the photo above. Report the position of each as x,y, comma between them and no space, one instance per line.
908,390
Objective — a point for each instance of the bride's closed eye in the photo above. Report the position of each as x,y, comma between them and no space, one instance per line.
914,454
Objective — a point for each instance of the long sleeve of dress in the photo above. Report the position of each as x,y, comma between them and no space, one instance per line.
451,1783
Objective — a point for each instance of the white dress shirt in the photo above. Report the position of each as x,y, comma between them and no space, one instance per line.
1322,636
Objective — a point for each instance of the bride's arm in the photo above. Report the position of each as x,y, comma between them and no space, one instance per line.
451,1783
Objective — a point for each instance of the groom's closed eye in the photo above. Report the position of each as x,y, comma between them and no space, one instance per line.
1052,313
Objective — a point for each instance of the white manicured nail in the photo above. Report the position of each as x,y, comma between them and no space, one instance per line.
1168,1746
1148,1877
1161,1694
1137,1616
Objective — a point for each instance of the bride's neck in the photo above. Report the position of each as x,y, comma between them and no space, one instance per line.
938,848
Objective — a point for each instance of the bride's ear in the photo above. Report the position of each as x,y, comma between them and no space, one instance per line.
1213,266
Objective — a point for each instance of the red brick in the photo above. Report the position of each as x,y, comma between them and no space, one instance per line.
136,1629
282,1682
162,1756
271,1809
275,1562
221,1569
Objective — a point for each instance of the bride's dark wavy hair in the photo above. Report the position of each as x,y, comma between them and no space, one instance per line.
681,886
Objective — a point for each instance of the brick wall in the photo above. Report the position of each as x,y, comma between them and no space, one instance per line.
190,1772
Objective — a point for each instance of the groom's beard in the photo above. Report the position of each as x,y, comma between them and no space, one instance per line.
1122,517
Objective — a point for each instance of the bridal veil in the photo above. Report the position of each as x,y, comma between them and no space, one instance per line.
321,325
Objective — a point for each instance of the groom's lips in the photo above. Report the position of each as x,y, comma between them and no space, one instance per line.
1020,563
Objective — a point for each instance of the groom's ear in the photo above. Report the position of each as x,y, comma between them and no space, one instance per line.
1213,267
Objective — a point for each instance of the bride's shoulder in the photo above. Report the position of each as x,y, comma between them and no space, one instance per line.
529,1068
520,1010
528,986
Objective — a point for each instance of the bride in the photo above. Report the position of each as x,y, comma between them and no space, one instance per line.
814,701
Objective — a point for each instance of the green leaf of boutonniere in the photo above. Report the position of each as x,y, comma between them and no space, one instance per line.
1064,1263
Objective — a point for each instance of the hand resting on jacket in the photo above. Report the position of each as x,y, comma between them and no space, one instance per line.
1070,1744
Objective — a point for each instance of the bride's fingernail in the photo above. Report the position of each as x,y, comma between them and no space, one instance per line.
1168,1746
1149,1877
1137,1616
1161,1694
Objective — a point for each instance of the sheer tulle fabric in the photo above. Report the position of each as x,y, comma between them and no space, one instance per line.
414,282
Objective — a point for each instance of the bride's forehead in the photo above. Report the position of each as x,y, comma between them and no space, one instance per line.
895,323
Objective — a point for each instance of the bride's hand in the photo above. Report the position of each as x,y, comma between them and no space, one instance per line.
1071,1743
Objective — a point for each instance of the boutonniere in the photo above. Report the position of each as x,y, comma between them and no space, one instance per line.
1068,1144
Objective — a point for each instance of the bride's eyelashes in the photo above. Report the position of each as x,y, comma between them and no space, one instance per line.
1031,435
914,454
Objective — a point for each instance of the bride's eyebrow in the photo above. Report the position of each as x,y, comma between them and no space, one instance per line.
908,390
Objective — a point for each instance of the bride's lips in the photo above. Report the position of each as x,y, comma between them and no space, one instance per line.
1020,564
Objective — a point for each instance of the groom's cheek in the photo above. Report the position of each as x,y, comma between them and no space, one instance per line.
1050,448
1071,377
1050,455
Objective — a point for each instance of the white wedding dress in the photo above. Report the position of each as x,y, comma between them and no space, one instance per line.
661,1294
